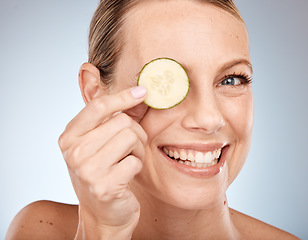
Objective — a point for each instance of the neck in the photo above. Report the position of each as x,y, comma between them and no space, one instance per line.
159,220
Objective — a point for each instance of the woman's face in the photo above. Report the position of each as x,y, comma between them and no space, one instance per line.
216,115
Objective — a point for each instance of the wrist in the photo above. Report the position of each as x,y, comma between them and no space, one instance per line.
90,229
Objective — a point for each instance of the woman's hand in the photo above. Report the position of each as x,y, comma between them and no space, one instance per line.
104,150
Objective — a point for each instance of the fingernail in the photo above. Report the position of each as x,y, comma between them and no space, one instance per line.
139,92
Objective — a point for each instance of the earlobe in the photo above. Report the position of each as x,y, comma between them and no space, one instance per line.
89,82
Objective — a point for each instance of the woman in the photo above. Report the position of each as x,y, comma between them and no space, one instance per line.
121,155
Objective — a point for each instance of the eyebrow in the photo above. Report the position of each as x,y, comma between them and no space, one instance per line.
234,63
226,66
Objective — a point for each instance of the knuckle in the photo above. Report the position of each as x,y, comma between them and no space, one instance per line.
135,164
86,175
71,156
65,140
62,141
130,136
83,174
98,105
101,192
119,191
106,192
125,120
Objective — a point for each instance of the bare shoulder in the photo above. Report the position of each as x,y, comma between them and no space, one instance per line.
44,220
251,228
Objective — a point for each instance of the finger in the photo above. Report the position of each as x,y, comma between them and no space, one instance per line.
126,170
91,143
119,147
101,108
123,144
87,146
94,140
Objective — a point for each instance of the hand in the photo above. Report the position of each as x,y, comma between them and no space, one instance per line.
104,150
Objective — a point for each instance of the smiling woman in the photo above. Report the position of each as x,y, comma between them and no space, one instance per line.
143,173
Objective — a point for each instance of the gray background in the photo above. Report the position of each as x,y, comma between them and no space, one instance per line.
42,45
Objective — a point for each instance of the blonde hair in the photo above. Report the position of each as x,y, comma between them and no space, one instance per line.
106,33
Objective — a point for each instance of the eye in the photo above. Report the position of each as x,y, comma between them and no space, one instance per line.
234,84
231,81
235,80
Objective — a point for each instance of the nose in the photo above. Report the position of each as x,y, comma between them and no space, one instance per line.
202,113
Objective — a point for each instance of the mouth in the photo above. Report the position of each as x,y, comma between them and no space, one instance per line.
194,158
202,161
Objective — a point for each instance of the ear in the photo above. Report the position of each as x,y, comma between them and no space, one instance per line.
89,82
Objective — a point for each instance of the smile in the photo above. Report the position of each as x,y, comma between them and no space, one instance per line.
193,158
196,160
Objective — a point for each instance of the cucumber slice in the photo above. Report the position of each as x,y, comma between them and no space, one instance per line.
166,81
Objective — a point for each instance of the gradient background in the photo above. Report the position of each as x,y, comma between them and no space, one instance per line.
42,45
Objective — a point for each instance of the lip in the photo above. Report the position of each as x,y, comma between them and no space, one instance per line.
194,171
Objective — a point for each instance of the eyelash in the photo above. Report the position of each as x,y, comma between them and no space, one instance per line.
245,79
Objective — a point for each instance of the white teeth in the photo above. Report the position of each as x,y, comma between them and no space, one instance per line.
208,157
183,155
176,155
190,157
171,154
194,158
199,165
199,157
188,163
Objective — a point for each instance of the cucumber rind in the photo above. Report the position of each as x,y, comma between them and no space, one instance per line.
179,92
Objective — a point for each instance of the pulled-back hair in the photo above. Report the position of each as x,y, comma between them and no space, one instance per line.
106,33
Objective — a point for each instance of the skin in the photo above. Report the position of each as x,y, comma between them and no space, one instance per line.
125,186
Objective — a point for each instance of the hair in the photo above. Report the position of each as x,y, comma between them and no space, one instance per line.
106,32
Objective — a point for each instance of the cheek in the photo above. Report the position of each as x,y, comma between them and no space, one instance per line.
157,125
156,121
239,114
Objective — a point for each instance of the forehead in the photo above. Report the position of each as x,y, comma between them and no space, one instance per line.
184,30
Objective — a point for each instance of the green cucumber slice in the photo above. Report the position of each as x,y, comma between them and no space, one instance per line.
166,81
